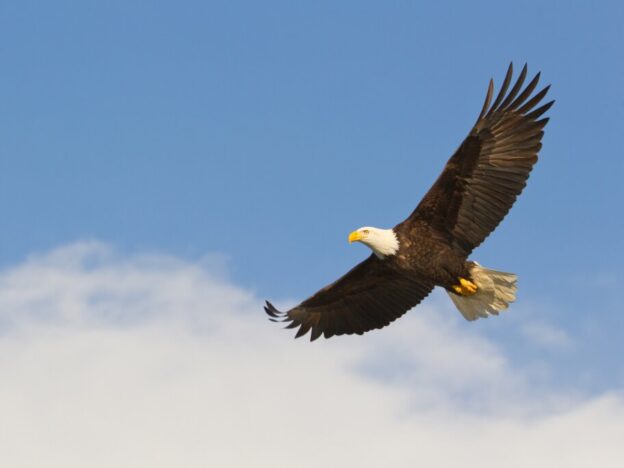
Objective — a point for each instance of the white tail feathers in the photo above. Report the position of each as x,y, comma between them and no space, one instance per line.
496,290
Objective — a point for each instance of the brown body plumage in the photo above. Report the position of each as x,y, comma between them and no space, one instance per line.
473,194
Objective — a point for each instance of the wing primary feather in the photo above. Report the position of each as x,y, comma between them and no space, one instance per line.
537,113
526,93
324,321
543,121
488,98
534,100
514,91
503,90
303,329
272,311
316,332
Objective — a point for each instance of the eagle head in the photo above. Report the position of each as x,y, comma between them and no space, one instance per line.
383,242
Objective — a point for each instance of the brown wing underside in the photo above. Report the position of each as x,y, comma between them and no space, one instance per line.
369,296
482,180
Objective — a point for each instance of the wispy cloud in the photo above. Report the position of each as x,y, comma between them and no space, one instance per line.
109,360
546,335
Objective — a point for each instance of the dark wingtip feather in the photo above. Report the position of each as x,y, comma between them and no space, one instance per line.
526,93
272,311
543,122
278,316
503,89
303,329
316,332
488,99
537,113
527,106
516,88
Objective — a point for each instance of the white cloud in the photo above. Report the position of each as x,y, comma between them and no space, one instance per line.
151,361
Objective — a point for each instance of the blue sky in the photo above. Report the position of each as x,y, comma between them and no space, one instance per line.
264,132
268,131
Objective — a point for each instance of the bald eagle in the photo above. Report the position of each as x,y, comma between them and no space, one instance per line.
476,189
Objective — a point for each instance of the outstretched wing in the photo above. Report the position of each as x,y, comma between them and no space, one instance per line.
488,171
369,296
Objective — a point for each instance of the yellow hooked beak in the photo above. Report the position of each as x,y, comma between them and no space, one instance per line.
355,236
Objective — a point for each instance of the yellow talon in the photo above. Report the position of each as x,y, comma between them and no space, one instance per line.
468,285
465,287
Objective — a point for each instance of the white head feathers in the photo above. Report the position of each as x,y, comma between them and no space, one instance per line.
383,242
